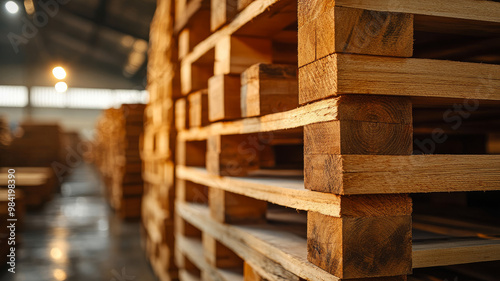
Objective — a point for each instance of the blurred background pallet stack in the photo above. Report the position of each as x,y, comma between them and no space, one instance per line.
156,149
117,156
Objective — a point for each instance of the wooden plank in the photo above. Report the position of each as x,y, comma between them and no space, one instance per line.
228,207
442,253
231,155
268,88
181,116
218,255
277,255
198,109
285,189
340,245
224,97
250,22
321,111
356,31
463,9
372,174
234,54
193,249
357,74
250,274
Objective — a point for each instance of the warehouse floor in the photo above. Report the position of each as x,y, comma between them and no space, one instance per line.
77,237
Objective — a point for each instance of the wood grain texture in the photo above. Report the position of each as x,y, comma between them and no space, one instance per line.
360,247
358,74
228,207
198,109
321,111
194,251
357,31
231,155
268,88
223,97
261,18
234,54
218,255
274,254
370,174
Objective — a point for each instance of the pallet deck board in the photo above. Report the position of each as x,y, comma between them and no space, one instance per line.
285,191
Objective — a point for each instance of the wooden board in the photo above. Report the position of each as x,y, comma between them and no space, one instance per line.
268,88
357,74
369,174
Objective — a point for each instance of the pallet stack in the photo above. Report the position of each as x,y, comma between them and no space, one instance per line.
5,138
156,149
117,156
35,144
309,173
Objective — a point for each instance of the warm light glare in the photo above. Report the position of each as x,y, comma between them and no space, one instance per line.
59,72
56,253
29,7
61,87
12,7
59,274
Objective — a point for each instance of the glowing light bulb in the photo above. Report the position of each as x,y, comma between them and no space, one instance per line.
12,7
61,87
59,72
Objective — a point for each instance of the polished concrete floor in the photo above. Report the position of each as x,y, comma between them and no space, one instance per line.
77,237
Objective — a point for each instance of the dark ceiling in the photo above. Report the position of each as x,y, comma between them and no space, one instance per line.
105,35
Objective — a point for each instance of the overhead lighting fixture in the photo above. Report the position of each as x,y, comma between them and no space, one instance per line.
59,72
61,87
12,7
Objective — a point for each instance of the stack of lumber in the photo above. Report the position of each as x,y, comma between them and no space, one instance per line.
36,184
35,144
117,156
157,153
310,172
5,138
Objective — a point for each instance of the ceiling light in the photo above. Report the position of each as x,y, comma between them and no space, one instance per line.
59,72
61,87
12,7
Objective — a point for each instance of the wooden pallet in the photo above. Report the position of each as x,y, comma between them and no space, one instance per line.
333,139
117,155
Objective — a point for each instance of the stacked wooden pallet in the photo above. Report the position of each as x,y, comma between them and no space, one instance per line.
362,90
156,152
36,184
118,158
35,144
5,138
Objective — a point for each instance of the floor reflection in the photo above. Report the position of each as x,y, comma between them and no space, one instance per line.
77,237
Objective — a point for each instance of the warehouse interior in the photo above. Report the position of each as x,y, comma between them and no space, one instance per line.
249,140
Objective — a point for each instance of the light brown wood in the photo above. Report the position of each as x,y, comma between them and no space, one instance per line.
268,88
231,155
198,109
250,274
443,253
262,18
463,9
223,97
356,31
494,143
340,245
191,153
218,255
322,111
234,54
368,174
181,116
228,207
274,258
357,74
193,250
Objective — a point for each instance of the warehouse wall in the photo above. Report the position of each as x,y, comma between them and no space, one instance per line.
80,120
